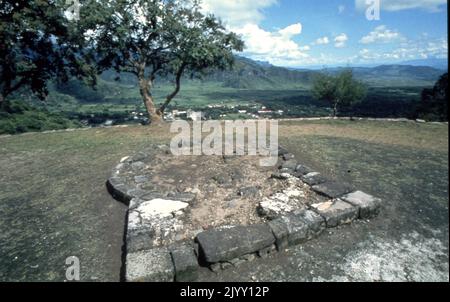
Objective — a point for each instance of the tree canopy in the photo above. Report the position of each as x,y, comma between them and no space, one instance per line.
339,90
36,46
154,38
434,101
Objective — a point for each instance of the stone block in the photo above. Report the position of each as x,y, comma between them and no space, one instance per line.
314,178
222,245
336,212
297,229
316,223
332,189
185,263
153,265
280,232
368,205
302,170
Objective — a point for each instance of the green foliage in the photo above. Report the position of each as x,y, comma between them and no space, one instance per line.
434,102
36,46
339,90
18,117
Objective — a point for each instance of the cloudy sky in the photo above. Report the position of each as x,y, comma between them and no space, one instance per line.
299,33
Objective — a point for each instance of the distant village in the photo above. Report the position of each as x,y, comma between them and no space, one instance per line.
210,112
221,111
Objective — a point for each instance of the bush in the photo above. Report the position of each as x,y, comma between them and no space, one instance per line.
16,117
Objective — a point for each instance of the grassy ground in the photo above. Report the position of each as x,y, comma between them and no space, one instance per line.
53,201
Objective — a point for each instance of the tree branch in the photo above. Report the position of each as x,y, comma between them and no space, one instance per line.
175,92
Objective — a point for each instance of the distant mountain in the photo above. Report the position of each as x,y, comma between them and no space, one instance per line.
435,63
249,74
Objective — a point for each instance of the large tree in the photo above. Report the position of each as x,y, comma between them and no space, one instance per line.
36,45
156,38
339,90
434,101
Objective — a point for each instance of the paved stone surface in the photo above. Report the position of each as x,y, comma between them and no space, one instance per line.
185,264
332,189
368,205
150,266
225,244
336,212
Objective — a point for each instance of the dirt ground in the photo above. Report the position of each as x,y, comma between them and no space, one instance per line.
54,204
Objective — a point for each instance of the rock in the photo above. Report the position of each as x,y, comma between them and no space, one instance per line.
123,159
160,207
281,176
185,263
216,267
265,252
237,176
140,179
153,265
302,170
286,171
332,189
249,257
249,192
314,178
151,196
222,245
336,212
297,229
280,232
316,223
184,197
222,179
137,193
288,156
225,265
119,190
271,208
282,151
290,164
368,205
140,239
137,166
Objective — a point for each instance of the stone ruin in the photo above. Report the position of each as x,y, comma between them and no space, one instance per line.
220,211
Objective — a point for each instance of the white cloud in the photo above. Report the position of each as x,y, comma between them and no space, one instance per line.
398,5
381,34
236,13
340,40
322,41
341,9
244,16
291,30
272,46
409,50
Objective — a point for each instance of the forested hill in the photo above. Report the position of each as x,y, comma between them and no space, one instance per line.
249,74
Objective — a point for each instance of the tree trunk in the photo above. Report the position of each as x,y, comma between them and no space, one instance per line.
144,88
335,108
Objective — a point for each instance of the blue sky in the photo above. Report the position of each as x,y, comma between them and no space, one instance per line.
299,33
